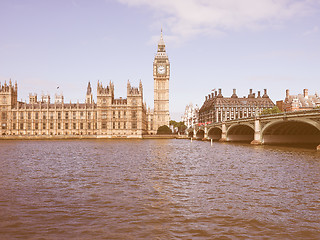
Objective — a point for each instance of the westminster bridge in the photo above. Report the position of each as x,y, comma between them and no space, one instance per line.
299,127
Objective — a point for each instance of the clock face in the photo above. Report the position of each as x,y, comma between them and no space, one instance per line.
161,69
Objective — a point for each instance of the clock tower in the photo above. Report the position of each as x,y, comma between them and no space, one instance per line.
161,74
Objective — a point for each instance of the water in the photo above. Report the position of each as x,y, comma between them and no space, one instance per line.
157,189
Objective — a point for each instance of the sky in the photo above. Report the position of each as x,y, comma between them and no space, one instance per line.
211,44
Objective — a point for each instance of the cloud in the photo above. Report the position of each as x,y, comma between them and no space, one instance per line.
189,18
314,30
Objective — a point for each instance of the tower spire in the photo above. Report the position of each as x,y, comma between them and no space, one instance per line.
161,44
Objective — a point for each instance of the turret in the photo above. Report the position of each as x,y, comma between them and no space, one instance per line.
8,94
89,99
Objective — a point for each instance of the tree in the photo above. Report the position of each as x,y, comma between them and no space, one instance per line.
273,110
164,130
180,125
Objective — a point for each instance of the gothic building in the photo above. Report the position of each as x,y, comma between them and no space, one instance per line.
217,108
108,117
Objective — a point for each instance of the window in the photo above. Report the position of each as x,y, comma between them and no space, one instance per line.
59,116
81,125
74,116
66,126
81,115
29,115
104,115
51,125
51,115
124,125
119,114
118,125
66,115
37,115
134,114
21,125
59,125
4,115
13,126
36,126
89,126
21,115
74,125
43,125
114,114
114,125
104,125
134,125
14,115
44,116
29,126
124,114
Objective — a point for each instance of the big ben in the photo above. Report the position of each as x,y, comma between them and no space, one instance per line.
161,75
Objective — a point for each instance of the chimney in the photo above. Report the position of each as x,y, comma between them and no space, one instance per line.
234,95
250,91
211,95
259,96
215,93
287,93
206,98
265,95
250,95
220,93
305,93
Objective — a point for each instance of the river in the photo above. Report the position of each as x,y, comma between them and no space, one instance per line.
157,189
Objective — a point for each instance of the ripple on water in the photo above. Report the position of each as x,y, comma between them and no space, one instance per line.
161,189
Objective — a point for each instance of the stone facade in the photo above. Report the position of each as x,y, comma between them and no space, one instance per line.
217,108
108,117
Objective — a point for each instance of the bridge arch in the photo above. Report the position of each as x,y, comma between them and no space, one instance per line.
215,133
200,134
240,133
293,131
190,133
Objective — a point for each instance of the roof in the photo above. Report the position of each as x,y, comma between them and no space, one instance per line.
235,102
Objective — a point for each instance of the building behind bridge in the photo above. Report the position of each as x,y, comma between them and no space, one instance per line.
217,108
191,116
298,102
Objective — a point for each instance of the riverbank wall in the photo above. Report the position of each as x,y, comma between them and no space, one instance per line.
77,137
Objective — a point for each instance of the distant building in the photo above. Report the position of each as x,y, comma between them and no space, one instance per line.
298,102
191,116
217,108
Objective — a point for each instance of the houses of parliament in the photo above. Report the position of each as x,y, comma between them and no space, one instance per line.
106,118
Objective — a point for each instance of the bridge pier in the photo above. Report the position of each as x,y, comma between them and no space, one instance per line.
205,133
318,147
257,132
224,133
